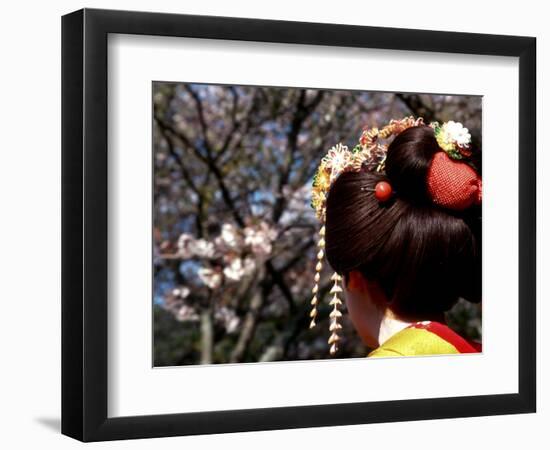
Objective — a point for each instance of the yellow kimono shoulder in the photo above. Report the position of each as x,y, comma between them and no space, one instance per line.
425,338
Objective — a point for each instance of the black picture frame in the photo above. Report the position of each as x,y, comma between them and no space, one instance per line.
84,224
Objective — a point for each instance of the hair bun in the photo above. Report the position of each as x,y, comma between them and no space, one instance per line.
407,162
422,173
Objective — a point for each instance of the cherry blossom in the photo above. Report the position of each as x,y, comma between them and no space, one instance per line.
259,238
186,313
239,268
210,277
181,292
229,237
185,246
203,248
228,317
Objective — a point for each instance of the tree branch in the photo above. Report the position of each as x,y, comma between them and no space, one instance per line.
301,113
418,107
202,120
210,163
234,123
298,323
187,177
249,326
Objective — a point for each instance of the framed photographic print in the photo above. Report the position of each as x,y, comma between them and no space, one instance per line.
273,224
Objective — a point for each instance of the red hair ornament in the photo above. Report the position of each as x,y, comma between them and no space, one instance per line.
453,184
383,191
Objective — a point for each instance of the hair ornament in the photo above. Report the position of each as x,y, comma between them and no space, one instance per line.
318,267
453,138
369,154
335,314
453,184
383,191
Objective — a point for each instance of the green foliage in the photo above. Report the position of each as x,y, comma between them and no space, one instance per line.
174,344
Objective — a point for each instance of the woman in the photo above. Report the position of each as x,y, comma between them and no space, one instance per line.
403,234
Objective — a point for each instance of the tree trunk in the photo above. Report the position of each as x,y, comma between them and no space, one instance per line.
248,328
207,336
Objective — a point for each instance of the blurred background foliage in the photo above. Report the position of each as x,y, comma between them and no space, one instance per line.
234,234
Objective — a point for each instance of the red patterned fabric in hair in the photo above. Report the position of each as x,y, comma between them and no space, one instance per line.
453,184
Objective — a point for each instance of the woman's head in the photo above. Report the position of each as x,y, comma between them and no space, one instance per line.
421,256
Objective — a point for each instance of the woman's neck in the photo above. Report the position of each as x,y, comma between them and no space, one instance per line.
389,326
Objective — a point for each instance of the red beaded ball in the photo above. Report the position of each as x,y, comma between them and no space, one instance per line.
383,191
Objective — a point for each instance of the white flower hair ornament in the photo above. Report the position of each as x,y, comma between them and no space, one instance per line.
453,138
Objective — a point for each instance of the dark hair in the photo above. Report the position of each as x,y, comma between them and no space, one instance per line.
423,257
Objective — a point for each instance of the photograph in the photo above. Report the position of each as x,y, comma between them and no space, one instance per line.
297,223
274,225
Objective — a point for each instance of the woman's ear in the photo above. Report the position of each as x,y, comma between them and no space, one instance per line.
356,282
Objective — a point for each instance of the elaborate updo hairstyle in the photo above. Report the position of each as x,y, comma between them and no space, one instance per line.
424,257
